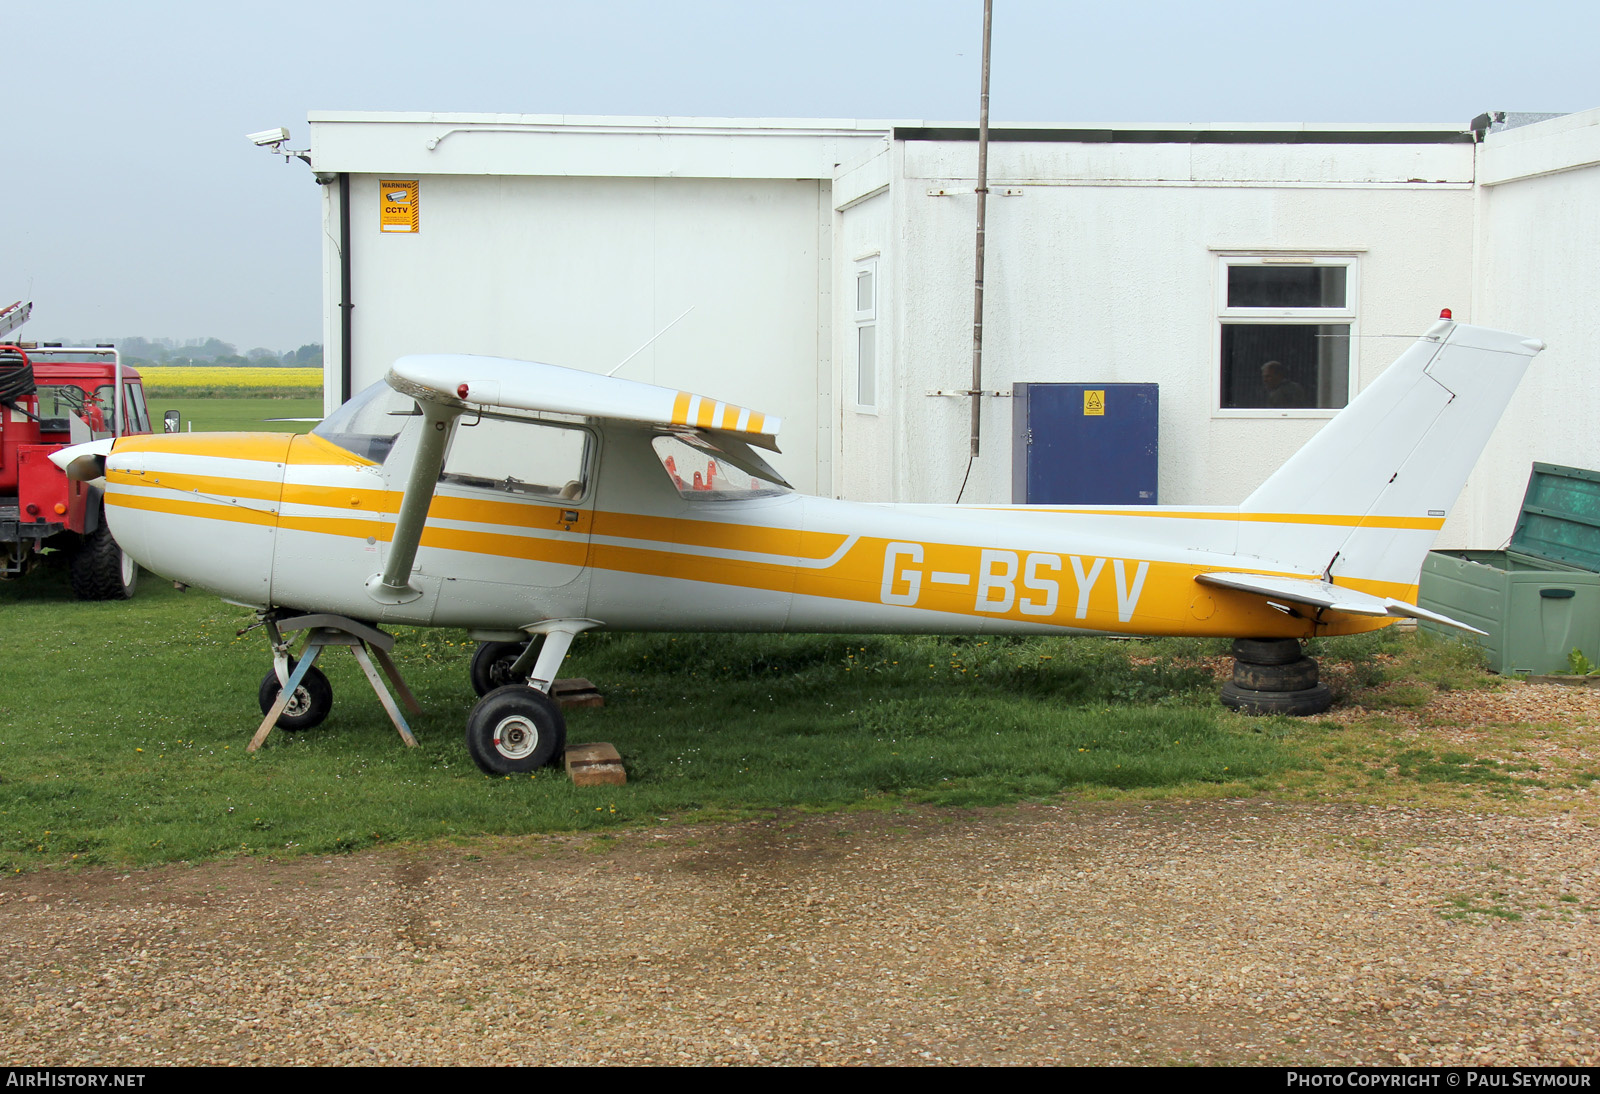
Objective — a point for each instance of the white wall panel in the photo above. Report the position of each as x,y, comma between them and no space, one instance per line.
581,271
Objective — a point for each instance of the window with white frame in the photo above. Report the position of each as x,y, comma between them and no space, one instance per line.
1286,324
867,334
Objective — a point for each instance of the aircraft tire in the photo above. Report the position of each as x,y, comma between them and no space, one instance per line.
312,700
1312,700
491,665
102,570
1294,676
1267,651
516,729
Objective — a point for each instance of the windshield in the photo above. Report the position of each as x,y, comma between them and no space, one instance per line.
368,424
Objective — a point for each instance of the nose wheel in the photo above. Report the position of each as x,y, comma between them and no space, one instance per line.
295,695
306,708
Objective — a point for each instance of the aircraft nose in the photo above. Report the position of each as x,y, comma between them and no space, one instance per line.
201,508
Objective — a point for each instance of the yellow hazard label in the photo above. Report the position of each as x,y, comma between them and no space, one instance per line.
1094,402
397,205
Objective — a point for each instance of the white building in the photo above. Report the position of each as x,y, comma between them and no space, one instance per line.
829,266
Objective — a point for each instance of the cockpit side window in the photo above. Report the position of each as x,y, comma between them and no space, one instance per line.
516,456
369,423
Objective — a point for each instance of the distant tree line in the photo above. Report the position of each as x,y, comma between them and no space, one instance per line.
209,351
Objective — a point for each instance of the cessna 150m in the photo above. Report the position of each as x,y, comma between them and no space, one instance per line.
521,500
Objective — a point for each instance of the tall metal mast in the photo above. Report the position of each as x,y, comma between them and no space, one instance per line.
976,393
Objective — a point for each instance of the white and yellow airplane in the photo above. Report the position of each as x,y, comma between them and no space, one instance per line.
520,500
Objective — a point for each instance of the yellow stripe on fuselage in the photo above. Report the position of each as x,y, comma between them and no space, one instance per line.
237,514
205,485
1336,519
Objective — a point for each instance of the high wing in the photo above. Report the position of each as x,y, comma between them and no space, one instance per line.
449,384
1324,595
464,380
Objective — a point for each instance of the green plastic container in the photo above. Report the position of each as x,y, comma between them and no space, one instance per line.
1540,599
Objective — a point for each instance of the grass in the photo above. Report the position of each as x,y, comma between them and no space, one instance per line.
123,726
206,413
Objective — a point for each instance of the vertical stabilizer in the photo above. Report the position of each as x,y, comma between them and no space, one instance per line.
1366,497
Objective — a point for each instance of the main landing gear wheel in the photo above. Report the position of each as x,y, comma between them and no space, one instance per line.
515,729
491,665
307,707
101,570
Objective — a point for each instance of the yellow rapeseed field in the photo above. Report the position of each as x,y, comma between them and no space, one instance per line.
169,376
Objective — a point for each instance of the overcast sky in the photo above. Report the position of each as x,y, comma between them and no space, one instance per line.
133,205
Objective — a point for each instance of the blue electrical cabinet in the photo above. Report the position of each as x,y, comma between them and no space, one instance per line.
1084,444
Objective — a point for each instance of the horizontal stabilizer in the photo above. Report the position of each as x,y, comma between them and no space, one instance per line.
1322,594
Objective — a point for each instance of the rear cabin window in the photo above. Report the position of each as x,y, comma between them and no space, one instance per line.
700,475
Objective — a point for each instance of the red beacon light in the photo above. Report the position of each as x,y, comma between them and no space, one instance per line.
1444,313
461,391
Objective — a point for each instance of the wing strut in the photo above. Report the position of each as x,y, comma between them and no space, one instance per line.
393,586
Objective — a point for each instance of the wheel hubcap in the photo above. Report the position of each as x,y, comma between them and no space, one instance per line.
516,737
298,703
129,567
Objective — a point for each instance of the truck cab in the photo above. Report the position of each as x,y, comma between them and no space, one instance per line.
51,397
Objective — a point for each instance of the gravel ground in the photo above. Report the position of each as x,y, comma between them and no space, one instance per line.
1174,932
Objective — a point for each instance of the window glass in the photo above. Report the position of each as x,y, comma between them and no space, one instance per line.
518,457
105,399
867,335
866,365
1284,366
61,400
700,475
368,424
1286,287
138,412
1285,330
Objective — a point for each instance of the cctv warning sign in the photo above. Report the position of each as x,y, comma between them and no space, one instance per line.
397,205
1094,403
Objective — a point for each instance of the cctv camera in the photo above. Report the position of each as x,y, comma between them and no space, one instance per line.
270,136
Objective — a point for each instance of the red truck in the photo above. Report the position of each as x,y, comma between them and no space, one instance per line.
52,397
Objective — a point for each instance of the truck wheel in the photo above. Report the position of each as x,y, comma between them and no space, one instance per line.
307,707
101,570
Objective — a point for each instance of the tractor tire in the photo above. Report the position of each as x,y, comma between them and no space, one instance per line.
101,570
1312,700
